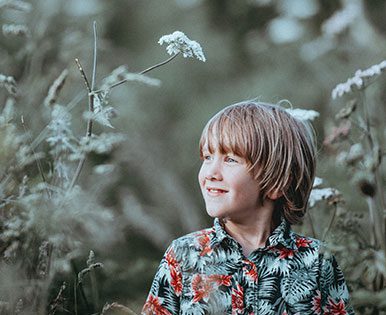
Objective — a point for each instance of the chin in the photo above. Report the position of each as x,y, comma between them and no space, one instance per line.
215,213
211,212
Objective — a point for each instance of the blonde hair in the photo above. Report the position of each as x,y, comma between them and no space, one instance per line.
279,149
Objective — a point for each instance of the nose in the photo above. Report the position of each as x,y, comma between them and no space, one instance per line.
213,171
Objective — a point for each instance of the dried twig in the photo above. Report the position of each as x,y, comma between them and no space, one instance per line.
118,307
95,58
58,300
83,74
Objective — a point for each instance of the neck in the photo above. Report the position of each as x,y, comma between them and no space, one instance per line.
253,233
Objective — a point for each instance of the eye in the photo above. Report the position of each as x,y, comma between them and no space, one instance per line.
230,159
206,157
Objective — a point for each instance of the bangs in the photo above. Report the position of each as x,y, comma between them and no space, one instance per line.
226,132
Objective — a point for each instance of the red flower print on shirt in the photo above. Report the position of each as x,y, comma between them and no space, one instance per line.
302,242
171,259
250,270
336,308
237,300
286,253
176,281
153,307
220,280
201,288
175,272
204,242
316,303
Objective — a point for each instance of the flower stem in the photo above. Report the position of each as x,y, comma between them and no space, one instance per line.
159,64
142,72
332,219
89,122
95,57
311,224
83,74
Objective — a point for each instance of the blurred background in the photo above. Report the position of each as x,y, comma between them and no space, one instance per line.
272,50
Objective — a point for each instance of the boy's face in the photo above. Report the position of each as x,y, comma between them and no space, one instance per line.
229,190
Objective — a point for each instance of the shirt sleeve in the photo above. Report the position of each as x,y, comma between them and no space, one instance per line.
334,292
166,289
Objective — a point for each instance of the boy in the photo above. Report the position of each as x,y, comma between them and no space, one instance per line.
257,173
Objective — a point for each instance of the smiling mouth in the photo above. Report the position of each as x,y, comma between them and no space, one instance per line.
216,190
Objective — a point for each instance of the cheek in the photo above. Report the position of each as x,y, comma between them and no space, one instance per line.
247,188
201,177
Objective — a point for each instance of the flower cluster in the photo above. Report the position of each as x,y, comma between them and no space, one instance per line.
15,30
99,144
8,82
303,114
319,194
178,42
60,135
342,19
358,80
17,5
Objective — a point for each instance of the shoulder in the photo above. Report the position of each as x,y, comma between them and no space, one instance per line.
305,242
192,237
196,241
315,247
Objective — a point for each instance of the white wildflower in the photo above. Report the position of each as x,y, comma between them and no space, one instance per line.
91,258
359,80
62,169
341,19
283,30
122,73
319,194
55,89
15,30
60,138
317,182
100,144
102,113
8,82
352,156
102,116
355,153
299,9
103,169
16,4
178,42
303,114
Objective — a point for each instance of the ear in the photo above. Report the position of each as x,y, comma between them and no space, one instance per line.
275,194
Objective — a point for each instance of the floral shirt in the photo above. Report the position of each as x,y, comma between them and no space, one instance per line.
205,272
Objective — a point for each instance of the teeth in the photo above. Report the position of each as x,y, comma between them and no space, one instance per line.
215,190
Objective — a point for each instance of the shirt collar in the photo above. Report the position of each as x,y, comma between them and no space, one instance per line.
281,235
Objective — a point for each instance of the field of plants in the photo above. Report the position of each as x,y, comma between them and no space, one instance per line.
102,104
